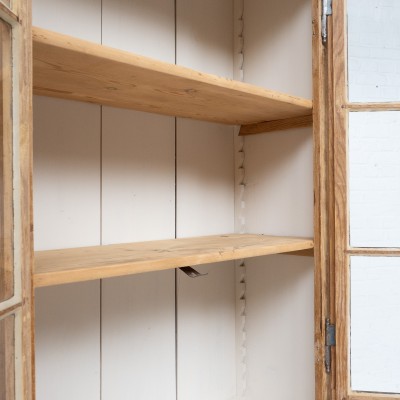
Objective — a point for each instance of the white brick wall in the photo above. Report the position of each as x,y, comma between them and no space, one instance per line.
374,50
375,323
374,164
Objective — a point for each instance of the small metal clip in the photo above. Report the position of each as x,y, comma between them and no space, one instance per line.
190,272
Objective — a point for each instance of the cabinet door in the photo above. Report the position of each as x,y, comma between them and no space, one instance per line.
15,202
366,117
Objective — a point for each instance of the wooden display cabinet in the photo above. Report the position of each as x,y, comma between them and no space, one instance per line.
75,69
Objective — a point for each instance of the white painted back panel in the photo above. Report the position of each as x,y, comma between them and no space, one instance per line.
66,173
138,203
205,205
206,340
277,40
138,176
205,36
71,17
206,305
279,191
279,200
375,324
138,312
138,337
67,214
68,342
279,321
145,27
374,179
205,178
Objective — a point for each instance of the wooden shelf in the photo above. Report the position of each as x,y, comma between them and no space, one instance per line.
55,267
75,69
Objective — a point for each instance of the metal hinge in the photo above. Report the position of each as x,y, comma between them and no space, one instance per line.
330,340
326,10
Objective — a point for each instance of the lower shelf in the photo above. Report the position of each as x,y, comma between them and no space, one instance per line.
55,267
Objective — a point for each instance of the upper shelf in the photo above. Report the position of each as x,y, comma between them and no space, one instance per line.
70,68
55,267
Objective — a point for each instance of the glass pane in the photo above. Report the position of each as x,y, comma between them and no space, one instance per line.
6,184
374,179
375,324
7,359
374,50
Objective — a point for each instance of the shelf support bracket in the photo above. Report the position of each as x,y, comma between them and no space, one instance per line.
191,272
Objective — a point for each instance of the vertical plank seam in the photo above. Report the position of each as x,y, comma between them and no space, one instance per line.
101,222
176,209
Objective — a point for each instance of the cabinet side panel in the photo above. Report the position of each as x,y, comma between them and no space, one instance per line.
205,187
279,201
138,203
67,209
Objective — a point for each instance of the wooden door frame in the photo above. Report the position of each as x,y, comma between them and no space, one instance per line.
323,201
343,250
19,17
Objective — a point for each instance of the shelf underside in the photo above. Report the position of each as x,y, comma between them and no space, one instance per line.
75,69
55,267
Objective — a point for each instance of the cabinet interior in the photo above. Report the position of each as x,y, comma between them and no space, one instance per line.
145,171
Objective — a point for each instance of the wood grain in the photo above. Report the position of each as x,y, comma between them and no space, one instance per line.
55,267
276,125
75,69
372,396
302,253
26,202
321,212
340,114
7,358
7,14
372,106
374,251
6,167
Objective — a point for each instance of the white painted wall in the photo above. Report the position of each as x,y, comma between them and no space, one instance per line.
375,321
374,50
279,201
374,194
374,179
